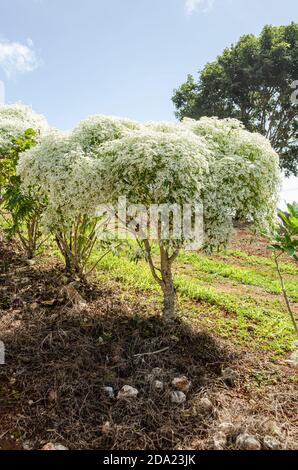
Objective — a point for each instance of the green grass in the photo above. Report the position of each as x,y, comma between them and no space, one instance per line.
251,321
266,279
286,268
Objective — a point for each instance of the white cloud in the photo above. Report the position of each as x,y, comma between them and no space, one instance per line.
16,58
192,5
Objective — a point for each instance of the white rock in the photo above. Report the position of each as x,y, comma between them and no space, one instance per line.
247,442
106,427
109,391
53,446
182,383
178,397
294,358
206,406
158,385
27,445
127,392
271,443
219,440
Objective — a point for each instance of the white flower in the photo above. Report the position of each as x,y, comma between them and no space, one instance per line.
14,120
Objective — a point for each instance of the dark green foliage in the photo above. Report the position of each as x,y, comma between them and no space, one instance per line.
251,81
286,237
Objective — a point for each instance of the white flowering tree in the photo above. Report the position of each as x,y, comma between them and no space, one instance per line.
15,120
214,162
64,169
155,169
244,178
20,129
59,171
228,169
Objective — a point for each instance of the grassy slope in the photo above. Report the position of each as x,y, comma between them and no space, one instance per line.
235,295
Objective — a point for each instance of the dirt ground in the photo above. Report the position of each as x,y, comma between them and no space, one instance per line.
65,341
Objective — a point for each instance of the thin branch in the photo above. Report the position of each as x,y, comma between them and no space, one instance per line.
285,294
151,264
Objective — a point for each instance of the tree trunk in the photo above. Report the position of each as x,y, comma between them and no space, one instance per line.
168,301
167,286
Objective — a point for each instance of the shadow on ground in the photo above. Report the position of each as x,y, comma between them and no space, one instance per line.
60,355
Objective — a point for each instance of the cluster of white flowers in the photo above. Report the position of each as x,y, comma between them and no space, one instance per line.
243,181
150,167
232,171
95,130
14,120
59,171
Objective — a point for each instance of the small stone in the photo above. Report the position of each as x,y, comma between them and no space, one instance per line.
182,384
53,396
53,446
271,443
31,262
226,428
219,440
206,406
247,442
158,385
127,392
109,391
294,358
30,402
106,427
178,397
34,306
27,445
229,376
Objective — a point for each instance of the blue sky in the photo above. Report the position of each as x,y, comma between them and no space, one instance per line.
73,58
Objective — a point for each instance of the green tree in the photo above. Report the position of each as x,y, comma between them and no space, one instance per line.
251,81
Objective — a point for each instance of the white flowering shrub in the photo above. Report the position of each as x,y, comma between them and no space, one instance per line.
96,130
166,127
59,171
216,162
244,178
15,119
155,168
20,128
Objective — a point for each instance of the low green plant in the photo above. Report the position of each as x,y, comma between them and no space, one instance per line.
285,241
